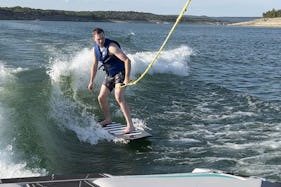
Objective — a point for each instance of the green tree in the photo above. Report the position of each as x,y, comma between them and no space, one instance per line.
272,13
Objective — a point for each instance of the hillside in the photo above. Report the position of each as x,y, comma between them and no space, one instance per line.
19,13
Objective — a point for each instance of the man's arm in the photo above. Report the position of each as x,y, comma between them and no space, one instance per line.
115,50
94,69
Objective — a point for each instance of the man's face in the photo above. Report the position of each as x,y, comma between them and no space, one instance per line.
99,39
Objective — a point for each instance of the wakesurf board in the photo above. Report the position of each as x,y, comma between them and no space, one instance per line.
116,129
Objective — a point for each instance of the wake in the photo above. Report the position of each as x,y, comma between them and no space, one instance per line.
73,107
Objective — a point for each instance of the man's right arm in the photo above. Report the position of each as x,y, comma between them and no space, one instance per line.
94,69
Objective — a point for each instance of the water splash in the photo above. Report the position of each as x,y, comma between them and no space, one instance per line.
70,76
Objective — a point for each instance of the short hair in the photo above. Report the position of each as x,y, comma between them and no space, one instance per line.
98,31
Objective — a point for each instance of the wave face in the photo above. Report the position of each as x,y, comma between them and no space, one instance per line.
69,81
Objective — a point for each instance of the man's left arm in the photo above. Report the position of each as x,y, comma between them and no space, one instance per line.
115,50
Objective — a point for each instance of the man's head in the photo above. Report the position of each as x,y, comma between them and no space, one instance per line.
99,36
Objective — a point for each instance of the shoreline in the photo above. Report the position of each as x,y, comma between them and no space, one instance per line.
261,22
23,13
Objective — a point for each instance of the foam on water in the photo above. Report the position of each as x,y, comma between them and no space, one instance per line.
7,73
10,167
229,130
73,116
68,110
173,61
78,67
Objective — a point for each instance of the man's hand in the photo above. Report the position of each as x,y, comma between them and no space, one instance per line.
126,81
91,86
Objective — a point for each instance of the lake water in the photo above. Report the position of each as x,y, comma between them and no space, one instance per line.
211,100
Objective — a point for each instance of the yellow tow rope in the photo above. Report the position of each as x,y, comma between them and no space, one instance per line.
133,82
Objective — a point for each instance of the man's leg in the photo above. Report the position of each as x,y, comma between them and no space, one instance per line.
104,105
119,96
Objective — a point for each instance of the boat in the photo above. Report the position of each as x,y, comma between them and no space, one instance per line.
197,178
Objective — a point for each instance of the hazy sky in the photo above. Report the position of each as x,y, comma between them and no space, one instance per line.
246,8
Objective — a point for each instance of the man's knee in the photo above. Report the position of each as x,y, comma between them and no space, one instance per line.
101,98
119,98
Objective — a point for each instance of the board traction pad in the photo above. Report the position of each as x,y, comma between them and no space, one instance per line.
116,129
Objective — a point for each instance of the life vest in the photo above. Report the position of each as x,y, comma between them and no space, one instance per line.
111,64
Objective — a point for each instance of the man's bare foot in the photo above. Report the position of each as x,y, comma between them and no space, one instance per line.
128,129
104,122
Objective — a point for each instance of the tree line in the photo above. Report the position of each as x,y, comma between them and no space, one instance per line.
22,13
272,14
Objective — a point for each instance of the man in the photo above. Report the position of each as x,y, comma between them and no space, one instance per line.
117,67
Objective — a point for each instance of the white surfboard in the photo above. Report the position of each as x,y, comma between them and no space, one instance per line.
116,129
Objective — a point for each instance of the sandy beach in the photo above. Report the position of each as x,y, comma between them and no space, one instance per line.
262,22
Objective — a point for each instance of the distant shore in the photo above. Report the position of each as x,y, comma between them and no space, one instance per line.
261,22
23,13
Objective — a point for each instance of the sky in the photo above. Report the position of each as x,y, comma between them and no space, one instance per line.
213,8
